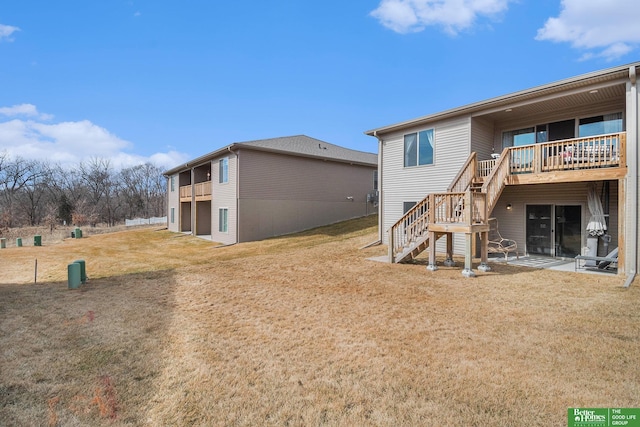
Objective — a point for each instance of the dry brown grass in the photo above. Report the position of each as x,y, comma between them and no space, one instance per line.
303,330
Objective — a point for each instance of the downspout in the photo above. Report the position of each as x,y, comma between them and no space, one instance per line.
632,179
380,193
194,204
237,193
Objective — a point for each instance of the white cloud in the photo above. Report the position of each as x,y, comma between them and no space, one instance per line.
69,143
604,28
6,31
405,16
28,110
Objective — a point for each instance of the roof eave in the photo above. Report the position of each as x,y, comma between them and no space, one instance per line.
512,97
309,156
238,145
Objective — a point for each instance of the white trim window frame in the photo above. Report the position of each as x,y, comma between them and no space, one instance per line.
419,148
223,220
223,172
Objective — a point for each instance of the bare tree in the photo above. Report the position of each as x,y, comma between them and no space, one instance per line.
143,190
15,174
102,187
32,197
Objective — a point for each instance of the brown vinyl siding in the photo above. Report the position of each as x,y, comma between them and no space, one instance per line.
270,176
282,194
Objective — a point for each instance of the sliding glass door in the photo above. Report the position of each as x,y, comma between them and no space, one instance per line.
554,230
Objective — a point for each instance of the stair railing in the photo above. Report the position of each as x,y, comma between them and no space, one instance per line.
465,177
408,228
496,181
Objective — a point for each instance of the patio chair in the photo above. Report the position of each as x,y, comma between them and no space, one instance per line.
498,244
603,263
610,262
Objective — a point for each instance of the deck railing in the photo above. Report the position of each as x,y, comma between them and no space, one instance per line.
485,167
463,206
185,192
201,189
570,154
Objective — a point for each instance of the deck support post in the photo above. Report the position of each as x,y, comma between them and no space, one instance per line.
468,258
432,252
449,261
484,251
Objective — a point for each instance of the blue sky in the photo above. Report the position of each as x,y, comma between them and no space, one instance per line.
166,81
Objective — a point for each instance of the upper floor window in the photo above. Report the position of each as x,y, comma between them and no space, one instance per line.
600,125
418,148
224,170
518,137
375,180
173,183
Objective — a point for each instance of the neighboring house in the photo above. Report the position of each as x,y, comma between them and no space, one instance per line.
527,159
257,189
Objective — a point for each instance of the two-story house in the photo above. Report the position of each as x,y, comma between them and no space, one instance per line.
531,159
253,190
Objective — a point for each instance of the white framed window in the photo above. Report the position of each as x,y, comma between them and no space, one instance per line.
223,170
419,148
223,220
173,215
173,183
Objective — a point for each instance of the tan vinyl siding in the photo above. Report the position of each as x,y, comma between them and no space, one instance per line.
173,201
224,196
400,184
281,194
482,138
513,223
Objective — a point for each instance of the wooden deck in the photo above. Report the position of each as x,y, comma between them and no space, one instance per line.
469,201
200,191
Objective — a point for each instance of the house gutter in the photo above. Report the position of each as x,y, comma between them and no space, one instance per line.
632,180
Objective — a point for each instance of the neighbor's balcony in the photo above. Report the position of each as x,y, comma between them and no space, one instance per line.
201,191
570,159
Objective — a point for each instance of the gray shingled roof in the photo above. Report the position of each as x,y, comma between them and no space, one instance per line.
307,146
298,145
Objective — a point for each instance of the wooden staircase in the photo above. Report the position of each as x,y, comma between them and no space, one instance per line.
463,208
466,205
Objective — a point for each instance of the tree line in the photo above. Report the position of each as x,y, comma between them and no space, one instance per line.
37,192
